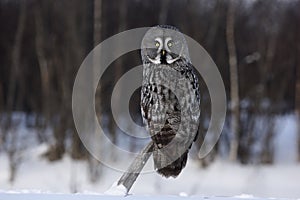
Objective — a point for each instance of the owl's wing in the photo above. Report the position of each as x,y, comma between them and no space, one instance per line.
145,101
193,77
153,107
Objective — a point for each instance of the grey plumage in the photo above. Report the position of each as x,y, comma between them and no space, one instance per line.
170,98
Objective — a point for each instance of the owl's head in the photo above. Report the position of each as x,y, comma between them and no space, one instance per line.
164,44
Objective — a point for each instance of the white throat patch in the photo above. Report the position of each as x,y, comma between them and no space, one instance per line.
156,60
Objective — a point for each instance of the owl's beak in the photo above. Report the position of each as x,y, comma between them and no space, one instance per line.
163,57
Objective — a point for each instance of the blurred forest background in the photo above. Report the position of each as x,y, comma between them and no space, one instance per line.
254,43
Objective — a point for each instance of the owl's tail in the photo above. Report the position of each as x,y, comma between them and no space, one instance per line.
168,170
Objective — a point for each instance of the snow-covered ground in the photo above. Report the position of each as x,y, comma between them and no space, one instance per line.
220,179
45,196
36,177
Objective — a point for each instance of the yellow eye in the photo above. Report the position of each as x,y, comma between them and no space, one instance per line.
170,44
157,44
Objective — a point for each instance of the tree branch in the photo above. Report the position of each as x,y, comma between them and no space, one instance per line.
234,84
133,171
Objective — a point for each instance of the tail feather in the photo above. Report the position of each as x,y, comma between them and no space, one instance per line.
170,170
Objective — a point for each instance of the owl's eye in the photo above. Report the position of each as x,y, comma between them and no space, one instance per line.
157,44
170,43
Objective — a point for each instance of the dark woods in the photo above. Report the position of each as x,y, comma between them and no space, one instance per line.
255,44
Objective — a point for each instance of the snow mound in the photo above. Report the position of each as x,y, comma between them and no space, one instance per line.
116,190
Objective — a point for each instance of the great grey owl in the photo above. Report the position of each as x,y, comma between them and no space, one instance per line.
170,98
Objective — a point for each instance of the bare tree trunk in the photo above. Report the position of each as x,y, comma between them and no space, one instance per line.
163,14
234,84
94,164
297,97
213,26
41,56
298,110
2,135
16,52
13,151
205,105
267,44
44,70
267,154
133,171
97,21
78,49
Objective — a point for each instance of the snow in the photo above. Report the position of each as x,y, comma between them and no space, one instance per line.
38,178
286,140
116,190
220,179
245,196
39,196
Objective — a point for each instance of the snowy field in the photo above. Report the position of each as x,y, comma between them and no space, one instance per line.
37,178
32,196
36,175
